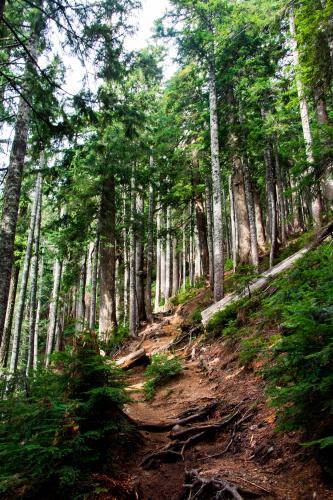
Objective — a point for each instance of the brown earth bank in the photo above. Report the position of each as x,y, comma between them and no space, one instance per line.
230,439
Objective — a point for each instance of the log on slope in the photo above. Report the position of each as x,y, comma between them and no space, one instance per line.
265,278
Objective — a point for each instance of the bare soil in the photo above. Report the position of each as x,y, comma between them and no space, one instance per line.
252,455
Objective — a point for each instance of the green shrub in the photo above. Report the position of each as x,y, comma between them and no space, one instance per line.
184,295
195,317
301,376
119,335
228,265
159,372
60,423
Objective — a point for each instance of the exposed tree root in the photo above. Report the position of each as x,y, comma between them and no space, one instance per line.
182,439
207,428
190,416
196,486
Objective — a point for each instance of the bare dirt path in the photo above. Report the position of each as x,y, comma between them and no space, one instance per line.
246,452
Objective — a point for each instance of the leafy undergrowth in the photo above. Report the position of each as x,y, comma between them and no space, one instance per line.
186,294
287,333
58,425
159,372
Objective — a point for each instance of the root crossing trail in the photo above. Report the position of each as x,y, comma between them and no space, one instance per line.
209,433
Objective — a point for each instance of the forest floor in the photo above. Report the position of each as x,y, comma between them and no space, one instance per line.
246,451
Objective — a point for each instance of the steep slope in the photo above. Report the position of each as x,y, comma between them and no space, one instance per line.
231,436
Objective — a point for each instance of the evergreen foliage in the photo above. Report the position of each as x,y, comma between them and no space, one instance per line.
159,372
60,423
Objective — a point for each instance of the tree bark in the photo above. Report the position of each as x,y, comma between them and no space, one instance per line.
25,277
271,201
242,218
200,216
216,183
132,253
34,284
94,279
168,276
210,230
38,313
53,311
251,213
158,261
175,267
234,242
139,263
259,224
184,259
107,309
81,294
4,352
11,199
150,223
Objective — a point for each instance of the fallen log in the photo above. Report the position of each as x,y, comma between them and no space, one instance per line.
286,264
133,359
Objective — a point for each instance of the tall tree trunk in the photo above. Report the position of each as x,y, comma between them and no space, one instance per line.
210,230
12,189
216,183
316,201
34,284
242,218
233,225
87,298
150,223
280,196
132,253
4,352
139,262
271,199
184,258
200,216
175,267
25,277
259,224
53,311
94,279
251,213
168,275
11,199
107,308
158,261
126,261
38,313
81,293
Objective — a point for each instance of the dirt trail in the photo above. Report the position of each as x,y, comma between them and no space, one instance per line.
247,452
